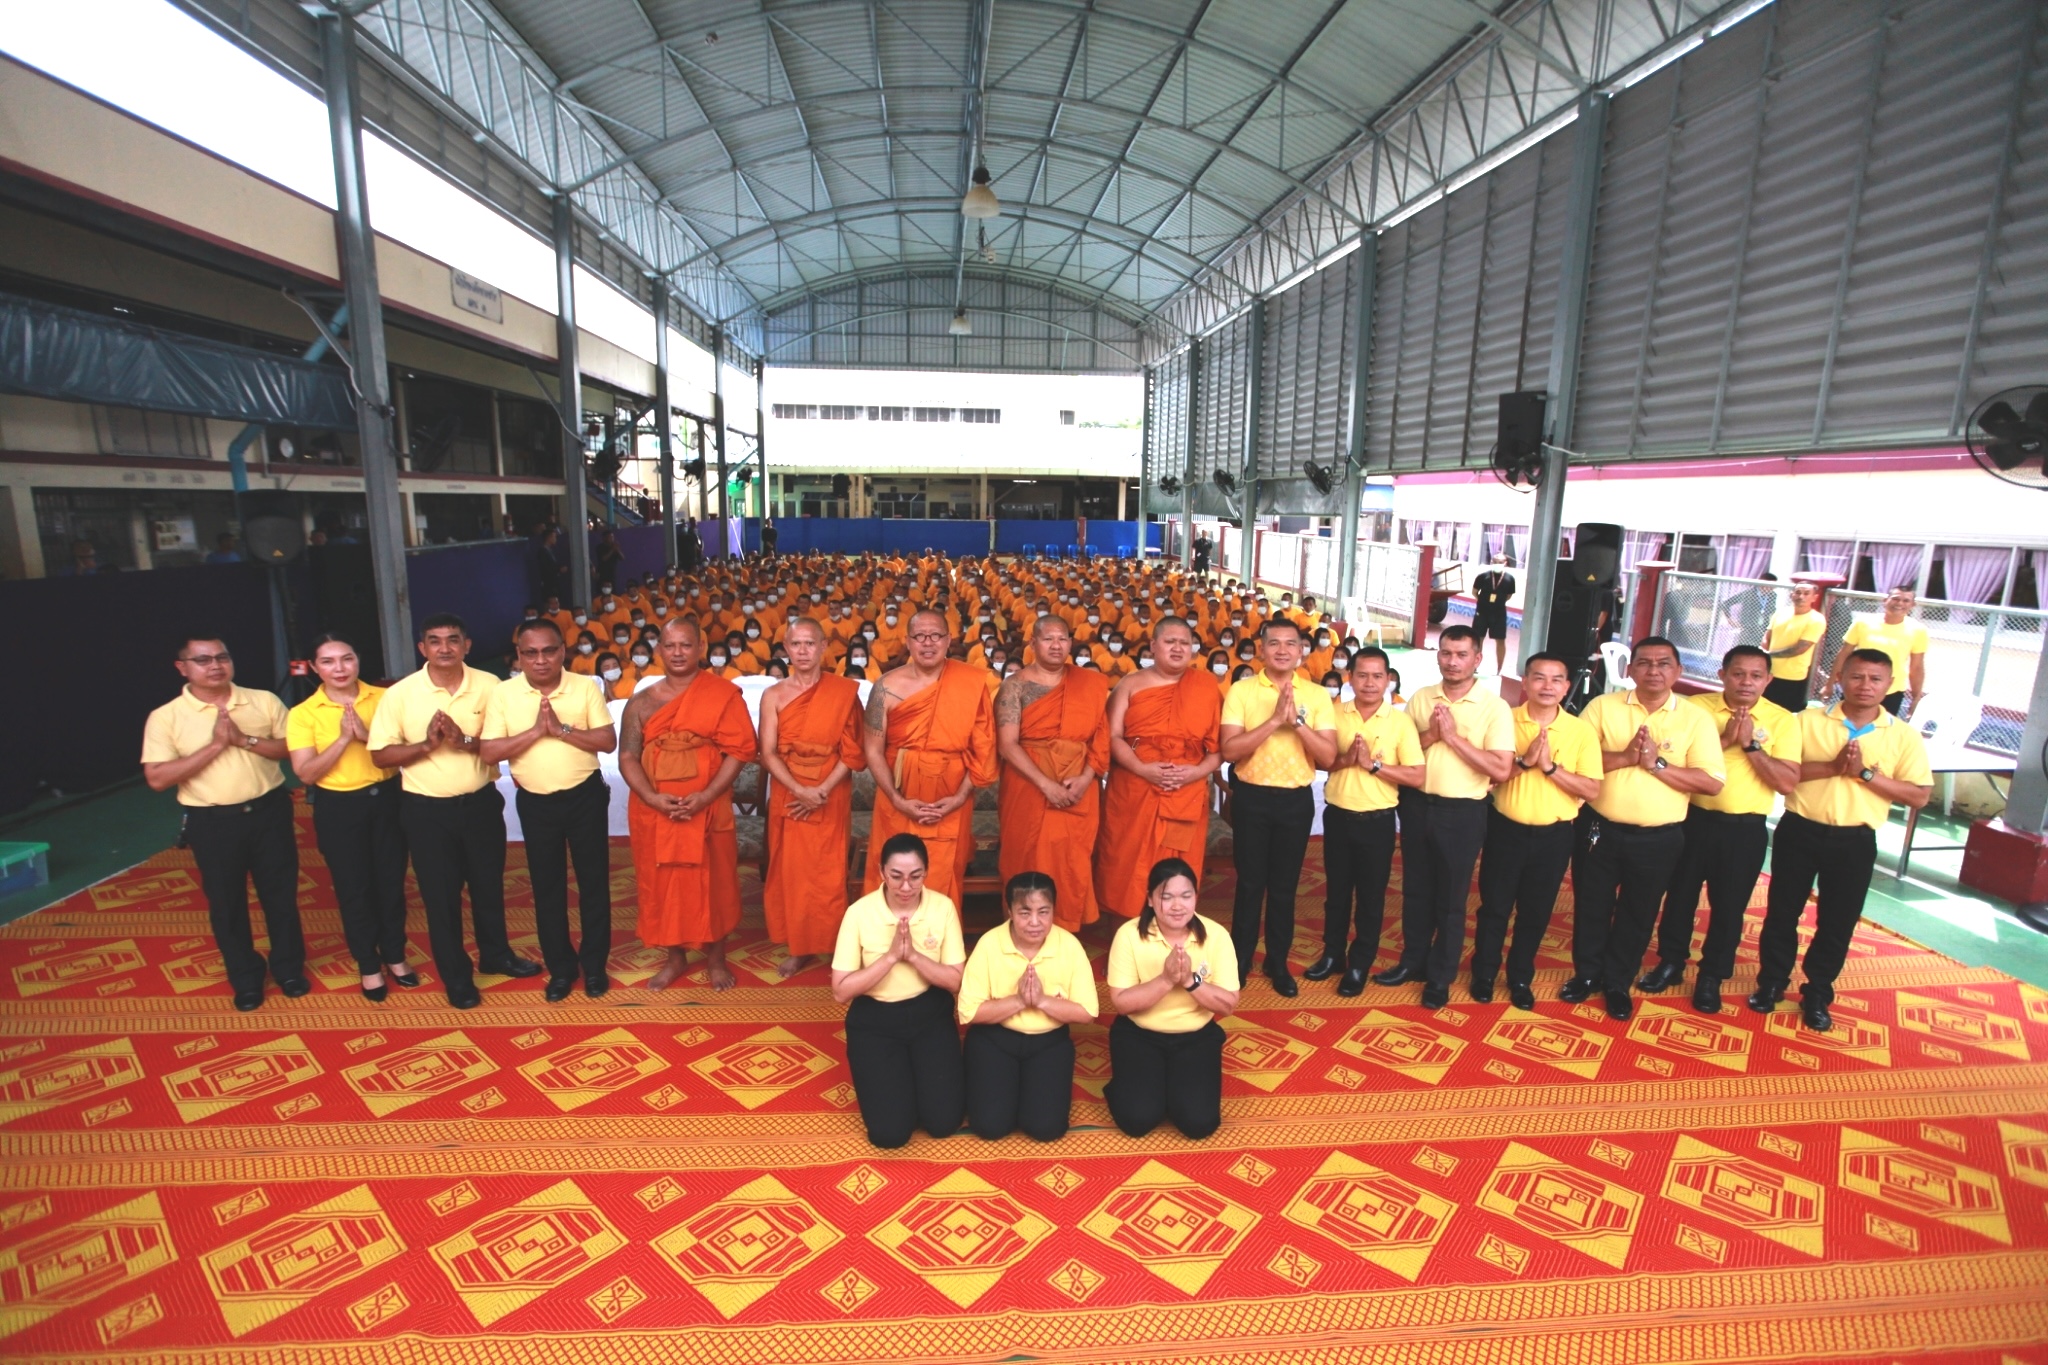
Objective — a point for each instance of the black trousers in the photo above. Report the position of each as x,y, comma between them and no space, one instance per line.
1018,1080
1724,853
561,827
905,1060
1840,858
1789,693
459,841
1358,858
1895,701
1440,841
1269,834
237,845
1155,1076
1520,874
364,847
1619,876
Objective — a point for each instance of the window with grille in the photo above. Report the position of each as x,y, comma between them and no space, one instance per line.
931,414
1066,417
797,412
983,415
885,414
837,412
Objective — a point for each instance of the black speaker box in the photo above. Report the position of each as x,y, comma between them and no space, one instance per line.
1521,424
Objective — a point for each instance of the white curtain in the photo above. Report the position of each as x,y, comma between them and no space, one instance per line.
1825,556
1893,566
1496,538
1518,544
1974,573
1641,545
1745,556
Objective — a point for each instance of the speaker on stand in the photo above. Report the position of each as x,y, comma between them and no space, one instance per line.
1583,606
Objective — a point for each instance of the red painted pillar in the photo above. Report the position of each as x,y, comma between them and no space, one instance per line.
1425,575
1643,598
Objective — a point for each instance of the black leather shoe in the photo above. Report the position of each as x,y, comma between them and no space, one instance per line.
1766,998
511,966
1396,975
465,997
408,981
1661,977
1283,983
1577,989
1706,995
1435,997
1620,1006
1482,991
596,984
1520,996
376,993
249,1000
294,986
559,988
1815,1016
1353,982
1325,967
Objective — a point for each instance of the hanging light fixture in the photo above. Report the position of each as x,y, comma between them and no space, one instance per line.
980,201
960,326
984,250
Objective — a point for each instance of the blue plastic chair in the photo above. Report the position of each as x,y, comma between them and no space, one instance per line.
1030,550
1126,552
1071,551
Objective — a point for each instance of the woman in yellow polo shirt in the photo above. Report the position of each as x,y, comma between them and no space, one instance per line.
1025,982
896,967
355,813
1172,973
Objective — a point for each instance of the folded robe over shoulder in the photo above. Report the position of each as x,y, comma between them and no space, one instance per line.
1064,731
1140,823
944,733
804,895
687,871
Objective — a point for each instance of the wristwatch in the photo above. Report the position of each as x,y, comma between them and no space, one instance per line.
251,741
1549,771
1660,765
1522,764
1753,747
1866,773
1201,977
1376,766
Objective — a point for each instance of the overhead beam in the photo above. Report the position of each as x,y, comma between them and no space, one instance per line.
1352,476
569,375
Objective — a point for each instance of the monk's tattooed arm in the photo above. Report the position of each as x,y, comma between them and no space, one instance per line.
877,714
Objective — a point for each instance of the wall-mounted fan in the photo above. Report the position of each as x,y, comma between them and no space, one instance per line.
2008,436
1225,481
1325,480
1169,485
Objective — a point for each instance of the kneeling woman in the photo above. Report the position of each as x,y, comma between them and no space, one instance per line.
898,963
1171,974
1026,981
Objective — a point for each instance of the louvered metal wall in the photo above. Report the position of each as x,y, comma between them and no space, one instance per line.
1311,336
1166,431
1219,422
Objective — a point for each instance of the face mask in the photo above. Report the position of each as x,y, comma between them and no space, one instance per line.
661,611
1144,661
817,597
892,620
640,660
1244,653
1333,690
1116,646
1220,670
983,618
586,649
859,660
718,661
753,634
997,662
1322,642
621,638
581,618
611,675
1093,618
533,616
1237,620
868,632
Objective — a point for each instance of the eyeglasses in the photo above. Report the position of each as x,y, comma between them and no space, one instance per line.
207,660
929,637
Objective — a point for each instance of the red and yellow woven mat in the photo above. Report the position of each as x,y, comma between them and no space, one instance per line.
684,1177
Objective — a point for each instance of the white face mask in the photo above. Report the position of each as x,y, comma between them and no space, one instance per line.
859,660
1116,646
868,632
661,611
983,618
586,648
753,634
891,620
817,597
1237,620
1220,670
611,675
1341,663
1093,618
718,661
620,639
1144,661
1333,689
640,660
581,618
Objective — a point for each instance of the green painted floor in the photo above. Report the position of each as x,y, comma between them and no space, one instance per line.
90,838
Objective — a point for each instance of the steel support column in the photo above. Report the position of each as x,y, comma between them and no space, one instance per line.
1567,333
1146,440
664,421
356,250
2026,805
761,437
1187,467
718,436
1254,400
569,375
1353,481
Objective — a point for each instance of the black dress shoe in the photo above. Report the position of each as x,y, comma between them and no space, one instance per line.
511,966
249,1000
1396,975
376,994
465,997
1661,977
1353,982
1435,997
559,988
596,984
1620,1006
1706,995
408,981
1577,989
1283,983
1815,1016
1520,996
1765,998
1482,991
1325,967
294,986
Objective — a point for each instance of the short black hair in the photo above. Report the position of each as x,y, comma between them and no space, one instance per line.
897,844
1653,642
196,633
1450,633
1870,656
1744,652
1372,652
443,620
1274,623
1544,656
1024,884
537,623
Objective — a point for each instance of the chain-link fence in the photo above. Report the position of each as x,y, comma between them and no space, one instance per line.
1706,616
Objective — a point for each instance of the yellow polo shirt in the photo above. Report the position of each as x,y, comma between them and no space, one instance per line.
869,928
315,723
551,764
1280,761
408,708
1134,961
1482,719
1901,642
1685,738
1742,791
1390,734
184,725
996,966
1790,629
1529,796
1894,748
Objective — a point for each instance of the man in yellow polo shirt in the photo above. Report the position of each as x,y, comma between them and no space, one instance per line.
1724,833
220,745
1657,750
1902,640
1793,642
1276,731
1529,830
551,726
1378,754
1468,743
1855,761
428,727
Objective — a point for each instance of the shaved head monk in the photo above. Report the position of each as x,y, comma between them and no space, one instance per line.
1052,731
811,747
931,740
1163,745
681,744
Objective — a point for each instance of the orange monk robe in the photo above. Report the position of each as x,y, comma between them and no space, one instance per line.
1063,731
688,871
944,733
804,896
1141,824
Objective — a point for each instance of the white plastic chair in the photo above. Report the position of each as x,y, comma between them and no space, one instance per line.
1615,655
